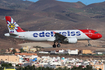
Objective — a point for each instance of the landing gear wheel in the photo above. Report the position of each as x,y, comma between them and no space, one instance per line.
58,45
54,46
89,45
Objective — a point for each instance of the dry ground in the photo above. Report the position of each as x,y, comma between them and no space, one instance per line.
81,45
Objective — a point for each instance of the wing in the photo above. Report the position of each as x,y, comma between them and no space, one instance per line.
59,37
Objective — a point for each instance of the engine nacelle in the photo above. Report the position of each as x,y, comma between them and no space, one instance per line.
72,40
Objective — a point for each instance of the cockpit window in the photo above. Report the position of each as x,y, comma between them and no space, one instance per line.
95,32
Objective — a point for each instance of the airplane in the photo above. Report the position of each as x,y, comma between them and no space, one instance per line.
56,36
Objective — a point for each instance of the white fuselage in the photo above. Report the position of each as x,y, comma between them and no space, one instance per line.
49,35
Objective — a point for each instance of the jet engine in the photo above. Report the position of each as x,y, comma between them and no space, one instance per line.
72,40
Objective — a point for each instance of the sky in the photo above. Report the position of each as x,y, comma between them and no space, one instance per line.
86,2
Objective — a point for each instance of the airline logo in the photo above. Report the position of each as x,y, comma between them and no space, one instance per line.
12,26
51,34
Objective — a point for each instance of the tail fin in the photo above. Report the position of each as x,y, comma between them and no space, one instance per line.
13,27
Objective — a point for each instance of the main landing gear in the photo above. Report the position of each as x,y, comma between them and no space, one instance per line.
58,45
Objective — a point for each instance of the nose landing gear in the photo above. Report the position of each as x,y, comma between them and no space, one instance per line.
89,43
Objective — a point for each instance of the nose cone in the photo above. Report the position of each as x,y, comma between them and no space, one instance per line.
99,36
95,36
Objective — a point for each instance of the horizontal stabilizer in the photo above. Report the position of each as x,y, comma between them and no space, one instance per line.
13,34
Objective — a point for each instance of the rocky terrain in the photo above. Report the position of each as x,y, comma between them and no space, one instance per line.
50,15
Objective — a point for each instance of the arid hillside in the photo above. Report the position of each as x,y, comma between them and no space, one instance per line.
53,6
14,4
50,15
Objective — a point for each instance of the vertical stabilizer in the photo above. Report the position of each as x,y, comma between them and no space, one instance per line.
13,27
